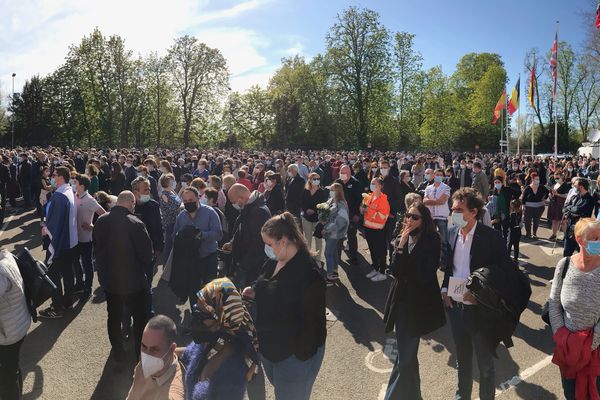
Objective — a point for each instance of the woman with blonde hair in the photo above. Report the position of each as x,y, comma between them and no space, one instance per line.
574,312
334,229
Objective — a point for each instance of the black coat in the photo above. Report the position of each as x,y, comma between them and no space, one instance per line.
248,247
275,200
293,194
393,190
123,251
185,259
149,213
416,289
24,171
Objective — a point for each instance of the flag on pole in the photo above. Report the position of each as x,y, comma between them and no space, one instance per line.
531,94
513,104
501,105
554,65
598,16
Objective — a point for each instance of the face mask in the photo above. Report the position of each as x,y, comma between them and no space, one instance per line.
151,364
190,206
331,194
593,247
426,177
237,206
144,198
570,169
344,177
498,186
173,185
202,334
316,182
536,181
290,175
72,182
373,187
184,185
203,200
128,165
462,166
270,253
384,172
438,179
53,182
458,220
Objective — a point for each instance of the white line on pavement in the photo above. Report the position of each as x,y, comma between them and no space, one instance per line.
382,392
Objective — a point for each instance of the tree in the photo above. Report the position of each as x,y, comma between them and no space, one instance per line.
200,76
408,85
587,96
252,116
568,81
532,58
359,59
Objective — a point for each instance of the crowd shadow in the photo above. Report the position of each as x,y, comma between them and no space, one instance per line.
115,381
38,343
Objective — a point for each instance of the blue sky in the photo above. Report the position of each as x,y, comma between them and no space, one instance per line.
255,34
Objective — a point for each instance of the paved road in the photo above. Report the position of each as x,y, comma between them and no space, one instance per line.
68,358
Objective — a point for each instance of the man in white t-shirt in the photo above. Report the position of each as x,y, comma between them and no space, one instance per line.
86,207
436,199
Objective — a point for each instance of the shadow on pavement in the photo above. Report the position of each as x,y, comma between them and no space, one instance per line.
37,344
114,382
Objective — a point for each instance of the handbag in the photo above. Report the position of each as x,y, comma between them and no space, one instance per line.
318,232
38,286
546,308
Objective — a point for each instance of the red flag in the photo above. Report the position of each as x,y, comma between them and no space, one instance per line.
532,87
598,16
501,105
515,98
554,65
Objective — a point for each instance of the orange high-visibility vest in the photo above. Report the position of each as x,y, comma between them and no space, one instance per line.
377,212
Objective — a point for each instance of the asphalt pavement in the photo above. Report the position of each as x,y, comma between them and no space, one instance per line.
69,358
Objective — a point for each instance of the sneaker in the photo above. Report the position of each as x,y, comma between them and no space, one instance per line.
329,283
333,276
552,237
379,277
371,274
50,313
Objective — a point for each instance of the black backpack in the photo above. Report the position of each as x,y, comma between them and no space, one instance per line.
38,286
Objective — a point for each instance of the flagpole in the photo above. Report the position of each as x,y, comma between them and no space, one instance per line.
506,126
532,126
501,130
519,116
555,102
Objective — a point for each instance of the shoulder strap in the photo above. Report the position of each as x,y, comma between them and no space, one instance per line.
566,267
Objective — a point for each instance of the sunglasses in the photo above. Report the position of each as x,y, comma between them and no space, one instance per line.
415,217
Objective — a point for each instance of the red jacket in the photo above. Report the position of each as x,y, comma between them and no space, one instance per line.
573,354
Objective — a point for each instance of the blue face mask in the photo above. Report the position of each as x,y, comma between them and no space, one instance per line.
498,186
270,253
53,182
144,198
426,177
458,220
373,187
438,179
593,247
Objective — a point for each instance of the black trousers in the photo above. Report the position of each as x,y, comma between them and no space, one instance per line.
514,238
11,381
136,305
206,272
377,247
62,267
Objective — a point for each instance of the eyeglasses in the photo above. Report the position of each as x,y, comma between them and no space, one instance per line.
415,217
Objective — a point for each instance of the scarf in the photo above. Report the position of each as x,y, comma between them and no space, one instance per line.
221,300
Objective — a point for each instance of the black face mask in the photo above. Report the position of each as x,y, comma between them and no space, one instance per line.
201,334
191,206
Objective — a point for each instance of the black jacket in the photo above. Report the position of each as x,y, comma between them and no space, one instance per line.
248,247
149,214
578,207
293,194
416,289
185,259
24,171
274,200
394,192
290,318
353,194
123,251
310,201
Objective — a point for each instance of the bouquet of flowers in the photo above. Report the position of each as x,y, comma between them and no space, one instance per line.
364,198
323,211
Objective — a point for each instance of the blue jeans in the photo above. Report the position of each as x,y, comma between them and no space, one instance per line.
569,387
466,338
442,226
293,379
331,255
405,382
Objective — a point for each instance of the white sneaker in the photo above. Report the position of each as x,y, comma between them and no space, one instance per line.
372,274
379,277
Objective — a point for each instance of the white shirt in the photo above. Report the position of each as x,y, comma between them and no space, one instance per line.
441,211
462,256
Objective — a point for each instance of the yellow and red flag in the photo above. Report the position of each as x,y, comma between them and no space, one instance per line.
513,104
532,87
501,105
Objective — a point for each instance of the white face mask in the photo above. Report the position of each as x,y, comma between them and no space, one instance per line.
344,177
151,365
384,172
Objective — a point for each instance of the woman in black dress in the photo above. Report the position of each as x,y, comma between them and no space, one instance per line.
533,198
558,195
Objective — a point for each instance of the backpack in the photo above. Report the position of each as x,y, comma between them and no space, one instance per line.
38,286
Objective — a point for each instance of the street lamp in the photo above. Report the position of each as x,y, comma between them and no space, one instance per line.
12,119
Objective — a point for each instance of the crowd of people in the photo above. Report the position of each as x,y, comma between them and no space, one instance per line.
252,239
